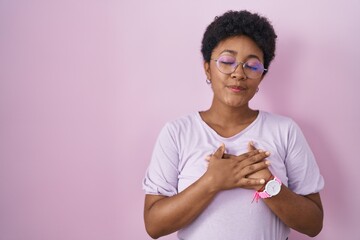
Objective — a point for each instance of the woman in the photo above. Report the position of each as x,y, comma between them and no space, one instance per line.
232,172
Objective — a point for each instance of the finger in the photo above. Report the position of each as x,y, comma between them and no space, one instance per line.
259,157
220,151
255,167
256,158
248,154
242,156
228,156
251,146
251,182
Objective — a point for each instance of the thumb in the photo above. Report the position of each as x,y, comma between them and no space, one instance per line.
251,146
220,151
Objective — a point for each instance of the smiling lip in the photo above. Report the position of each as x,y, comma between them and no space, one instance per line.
236,89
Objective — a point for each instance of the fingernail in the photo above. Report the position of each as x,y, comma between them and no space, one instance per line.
267,162
267,153
262,181
260,151
207,158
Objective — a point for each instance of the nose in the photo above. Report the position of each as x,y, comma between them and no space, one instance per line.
239,73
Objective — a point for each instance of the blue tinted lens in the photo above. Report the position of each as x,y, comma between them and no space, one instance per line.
226,64
227,60
253,68
254,65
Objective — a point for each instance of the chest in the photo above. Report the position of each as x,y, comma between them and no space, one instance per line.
229,131
192,163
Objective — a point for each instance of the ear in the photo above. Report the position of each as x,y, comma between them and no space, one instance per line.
207,70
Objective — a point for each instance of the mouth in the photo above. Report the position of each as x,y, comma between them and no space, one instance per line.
236,88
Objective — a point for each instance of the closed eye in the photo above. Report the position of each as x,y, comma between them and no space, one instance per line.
253,67
227,60
227,63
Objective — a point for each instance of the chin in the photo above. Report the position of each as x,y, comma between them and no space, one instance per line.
235,102
236,105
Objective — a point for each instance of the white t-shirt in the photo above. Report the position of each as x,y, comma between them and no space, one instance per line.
178,161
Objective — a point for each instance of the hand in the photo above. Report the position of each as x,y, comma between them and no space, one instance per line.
227,171
263,173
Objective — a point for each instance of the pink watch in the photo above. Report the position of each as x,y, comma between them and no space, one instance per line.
272,188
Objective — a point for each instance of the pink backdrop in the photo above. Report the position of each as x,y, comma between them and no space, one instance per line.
85,87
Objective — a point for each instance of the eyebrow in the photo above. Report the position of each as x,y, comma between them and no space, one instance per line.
229,51
235,52
253,56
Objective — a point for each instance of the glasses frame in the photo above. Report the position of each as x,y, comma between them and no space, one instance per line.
237,64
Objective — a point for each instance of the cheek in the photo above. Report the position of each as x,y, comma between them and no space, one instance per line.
217,83
218,77
254,83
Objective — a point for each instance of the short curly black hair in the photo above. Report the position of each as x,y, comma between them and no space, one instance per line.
237,23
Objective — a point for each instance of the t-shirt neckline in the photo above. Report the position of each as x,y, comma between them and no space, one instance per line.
204,124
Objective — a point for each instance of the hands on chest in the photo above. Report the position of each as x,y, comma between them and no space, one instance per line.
249,170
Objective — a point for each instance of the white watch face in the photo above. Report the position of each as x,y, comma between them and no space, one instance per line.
273,187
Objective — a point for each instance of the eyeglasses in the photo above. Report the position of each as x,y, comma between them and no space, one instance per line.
252,68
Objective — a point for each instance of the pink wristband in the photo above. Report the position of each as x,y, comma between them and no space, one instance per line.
272,188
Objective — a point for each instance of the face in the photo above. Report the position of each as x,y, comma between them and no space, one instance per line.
238,88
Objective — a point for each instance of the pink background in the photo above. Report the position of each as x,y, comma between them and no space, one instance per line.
85,87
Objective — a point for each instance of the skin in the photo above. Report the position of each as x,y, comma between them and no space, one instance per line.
228,115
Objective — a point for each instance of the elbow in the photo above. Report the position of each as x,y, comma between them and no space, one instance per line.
309,228
153,235
314,232
153,226
152,231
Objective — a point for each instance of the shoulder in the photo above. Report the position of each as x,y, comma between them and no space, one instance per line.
276,120
181,125
272,117
183,122
285,127
280,125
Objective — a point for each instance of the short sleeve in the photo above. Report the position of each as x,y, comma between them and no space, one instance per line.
303,172
162,174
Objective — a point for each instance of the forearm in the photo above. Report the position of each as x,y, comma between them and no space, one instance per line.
164,215
170,214
302,213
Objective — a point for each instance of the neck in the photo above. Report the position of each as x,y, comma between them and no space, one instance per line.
230,116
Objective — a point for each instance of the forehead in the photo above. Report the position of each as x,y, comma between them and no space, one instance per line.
240,46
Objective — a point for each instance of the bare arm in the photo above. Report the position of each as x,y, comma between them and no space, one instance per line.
164,215
301,213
